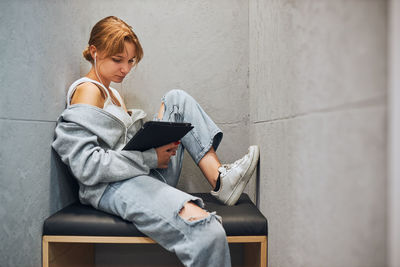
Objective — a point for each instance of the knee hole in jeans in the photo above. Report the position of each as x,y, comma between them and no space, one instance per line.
191,212
161,111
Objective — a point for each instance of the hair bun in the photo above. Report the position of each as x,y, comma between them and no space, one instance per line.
87,55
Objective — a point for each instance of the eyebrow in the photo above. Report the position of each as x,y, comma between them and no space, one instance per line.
122,56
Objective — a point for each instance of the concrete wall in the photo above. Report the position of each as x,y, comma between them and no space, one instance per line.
38,58
305,79
318,110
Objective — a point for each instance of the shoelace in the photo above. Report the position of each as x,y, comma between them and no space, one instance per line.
225,168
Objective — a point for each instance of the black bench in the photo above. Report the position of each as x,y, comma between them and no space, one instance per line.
70,234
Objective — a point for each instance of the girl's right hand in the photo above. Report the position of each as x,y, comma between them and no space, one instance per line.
164,154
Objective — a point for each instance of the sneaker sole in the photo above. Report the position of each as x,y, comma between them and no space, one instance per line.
238,190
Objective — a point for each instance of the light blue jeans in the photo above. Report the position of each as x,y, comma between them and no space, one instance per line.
152,203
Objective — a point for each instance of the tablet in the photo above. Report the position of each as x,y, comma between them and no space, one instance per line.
157,133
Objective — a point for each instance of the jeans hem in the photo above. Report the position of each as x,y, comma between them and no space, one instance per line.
207,148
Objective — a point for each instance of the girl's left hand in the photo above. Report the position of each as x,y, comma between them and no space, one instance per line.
164,154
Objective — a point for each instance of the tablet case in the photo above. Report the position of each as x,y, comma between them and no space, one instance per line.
157,133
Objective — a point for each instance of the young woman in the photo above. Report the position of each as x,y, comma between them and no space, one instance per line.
140,186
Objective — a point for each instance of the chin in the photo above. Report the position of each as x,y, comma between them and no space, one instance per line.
118,80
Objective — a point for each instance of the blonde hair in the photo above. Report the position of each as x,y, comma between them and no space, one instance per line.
108,35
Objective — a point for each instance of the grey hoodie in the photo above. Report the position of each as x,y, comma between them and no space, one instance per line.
89,140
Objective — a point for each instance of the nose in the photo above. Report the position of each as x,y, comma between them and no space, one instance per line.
125,68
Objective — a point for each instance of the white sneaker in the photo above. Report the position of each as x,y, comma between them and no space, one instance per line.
234,177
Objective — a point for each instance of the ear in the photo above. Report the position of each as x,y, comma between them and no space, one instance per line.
92,50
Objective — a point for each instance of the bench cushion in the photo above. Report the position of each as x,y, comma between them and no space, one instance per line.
243,219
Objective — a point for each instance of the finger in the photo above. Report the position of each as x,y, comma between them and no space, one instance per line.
167,147
173,148
173,144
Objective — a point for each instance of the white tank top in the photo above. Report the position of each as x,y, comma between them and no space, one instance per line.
109,106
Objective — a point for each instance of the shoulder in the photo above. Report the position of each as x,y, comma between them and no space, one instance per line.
88,93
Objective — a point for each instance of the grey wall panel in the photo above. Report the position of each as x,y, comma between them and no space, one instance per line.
324,188
197,46
38,59
318,83
309,55
37,40
33,186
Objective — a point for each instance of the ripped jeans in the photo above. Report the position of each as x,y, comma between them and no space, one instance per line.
152,203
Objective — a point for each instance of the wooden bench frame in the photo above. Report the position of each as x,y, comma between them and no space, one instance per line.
78,251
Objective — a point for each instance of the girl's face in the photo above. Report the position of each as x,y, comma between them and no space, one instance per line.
115,68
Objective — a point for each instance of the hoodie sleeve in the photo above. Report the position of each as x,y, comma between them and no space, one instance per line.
91,164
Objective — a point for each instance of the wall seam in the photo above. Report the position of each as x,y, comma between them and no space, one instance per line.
26,120
374,102
257,192
231,123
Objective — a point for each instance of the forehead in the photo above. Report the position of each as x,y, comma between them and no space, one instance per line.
129,50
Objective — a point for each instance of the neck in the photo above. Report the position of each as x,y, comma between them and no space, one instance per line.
92,75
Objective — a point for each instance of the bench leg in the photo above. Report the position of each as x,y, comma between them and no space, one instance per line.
68,254
255,254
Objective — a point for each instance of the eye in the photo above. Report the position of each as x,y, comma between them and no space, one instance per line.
131,61
116,60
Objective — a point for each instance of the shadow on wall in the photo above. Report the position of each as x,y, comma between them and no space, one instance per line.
63,186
